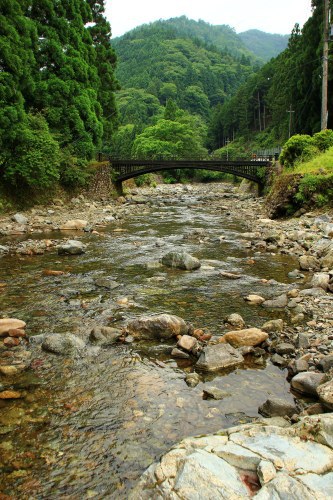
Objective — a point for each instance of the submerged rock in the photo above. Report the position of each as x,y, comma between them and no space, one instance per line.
181,260
217,357
162,326
105,335
63,343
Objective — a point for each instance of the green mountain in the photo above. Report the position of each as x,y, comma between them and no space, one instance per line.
185,61
264,45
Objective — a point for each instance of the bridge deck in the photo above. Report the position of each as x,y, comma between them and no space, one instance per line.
249,169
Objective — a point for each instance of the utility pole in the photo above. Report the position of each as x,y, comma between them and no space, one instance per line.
290,111
324,98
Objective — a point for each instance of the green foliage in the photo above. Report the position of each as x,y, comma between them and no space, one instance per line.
298,148
144,179
74,171
323,140
315,188
36,161
56,88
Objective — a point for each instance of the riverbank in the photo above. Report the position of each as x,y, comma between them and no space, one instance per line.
87,301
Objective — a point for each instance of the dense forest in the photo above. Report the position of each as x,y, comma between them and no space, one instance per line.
180,88
56,90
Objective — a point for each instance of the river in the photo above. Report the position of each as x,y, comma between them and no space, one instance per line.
89,426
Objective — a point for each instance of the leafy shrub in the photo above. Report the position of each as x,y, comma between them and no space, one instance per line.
323,140
315,188
298,148
35,163
73,171
144,179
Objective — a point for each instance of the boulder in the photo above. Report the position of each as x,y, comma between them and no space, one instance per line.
7,324
74,225
325,393
247,337
320,280
177,353
307,382
181,260
327,261
275,407
218,357
162,326
72,247
63,344
307,262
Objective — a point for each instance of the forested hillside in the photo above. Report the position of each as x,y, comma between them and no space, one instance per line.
284,97
264,45
56,90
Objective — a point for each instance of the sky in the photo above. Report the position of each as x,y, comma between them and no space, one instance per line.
272,16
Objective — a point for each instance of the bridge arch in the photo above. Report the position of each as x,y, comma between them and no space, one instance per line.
248,169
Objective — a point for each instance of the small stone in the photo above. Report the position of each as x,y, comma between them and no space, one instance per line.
177,353
266,471
218,357
214,393
8,370
17,332
272,326
278,303
10,395
320,280
235,320
72,247
192,379
325,393
51,272
181,260
278,360
254,299
275,407
11,342
303,341
285,348
307,262
75,224
187,343
307,382
20,219
326,363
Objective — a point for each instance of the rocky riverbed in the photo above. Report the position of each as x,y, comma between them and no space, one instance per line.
271,280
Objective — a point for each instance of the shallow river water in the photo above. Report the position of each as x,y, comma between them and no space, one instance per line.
88,427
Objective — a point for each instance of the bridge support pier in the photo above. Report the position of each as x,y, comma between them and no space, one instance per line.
119,188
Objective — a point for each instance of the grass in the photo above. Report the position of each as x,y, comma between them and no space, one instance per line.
321,164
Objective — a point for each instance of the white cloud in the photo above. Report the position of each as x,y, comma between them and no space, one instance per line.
270,16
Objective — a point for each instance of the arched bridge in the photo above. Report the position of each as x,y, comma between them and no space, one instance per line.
254,169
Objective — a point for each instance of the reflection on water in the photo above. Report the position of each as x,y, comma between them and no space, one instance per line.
90,426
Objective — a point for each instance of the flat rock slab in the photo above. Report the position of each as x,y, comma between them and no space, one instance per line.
162,326
217,357
219,466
